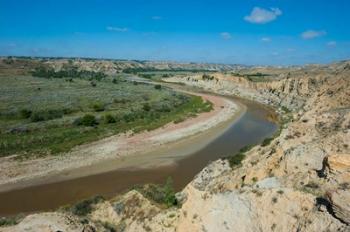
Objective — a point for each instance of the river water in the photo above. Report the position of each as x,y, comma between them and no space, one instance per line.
251,128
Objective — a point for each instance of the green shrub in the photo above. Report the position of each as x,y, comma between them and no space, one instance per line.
98,107
93,84
9,221
236,159
285,109
85,207
266,142
274,200
158,86
108,118
162,107
129,117
25,113
37,117
162,194
207,77
147,76
109,227
86,120
178,120
46,115
52,114
146,107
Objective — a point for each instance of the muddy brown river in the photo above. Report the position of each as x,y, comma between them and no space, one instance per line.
251,128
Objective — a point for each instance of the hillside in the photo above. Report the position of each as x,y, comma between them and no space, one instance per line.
23,65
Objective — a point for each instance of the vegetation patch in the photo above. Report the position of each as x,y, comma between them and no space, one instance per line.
266,142
10,221
86,120
161,194
85,207
207,77
236,159
69,71
64,114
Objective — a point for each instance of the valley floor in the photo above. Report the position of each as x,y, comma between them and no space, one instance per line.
122,151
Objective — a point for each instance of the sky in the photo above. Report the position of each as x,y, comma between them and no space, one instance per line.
253,32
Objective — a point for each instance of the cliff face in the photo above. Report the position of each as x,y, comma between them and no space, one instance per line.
298,182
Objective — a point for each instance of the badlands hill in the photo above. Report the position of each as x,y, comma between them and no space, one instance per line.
299,181
22,65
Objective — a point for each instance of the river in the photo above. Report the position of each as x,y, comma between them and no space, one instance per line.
251,128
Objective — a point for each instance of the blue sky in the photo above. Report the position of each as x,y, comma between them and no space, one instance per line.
277,32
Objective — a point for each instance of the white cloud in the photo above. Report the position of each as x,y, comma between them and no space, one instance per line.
225,35
266,39
118,29
262,16
311,34
332,43
156,17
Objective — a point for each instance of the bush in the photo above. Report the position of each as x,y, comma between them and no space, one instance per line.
266,142
93,84
85,207
10,221
108,118
37,117
147,76
25,113
98,107
129,117
207,77
285,109
178,120
158,86
236,160
146,107
46,115
162,194
86,120
109,227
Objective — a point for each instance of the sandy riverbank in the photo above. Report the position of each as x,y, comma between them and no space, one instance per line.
142,150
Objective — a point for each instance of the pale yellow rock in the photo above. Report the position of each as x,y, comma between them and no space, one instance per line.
338,162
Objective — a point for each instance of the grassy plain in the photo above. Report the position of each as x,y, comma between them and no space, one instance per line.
42,116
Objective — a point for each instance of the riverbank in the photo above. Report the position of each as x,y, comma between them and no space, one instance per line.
133,151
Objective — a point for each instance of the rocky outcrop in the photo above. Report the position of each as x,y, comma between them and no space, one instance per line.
133,212
338,163
281,184
340,202
50,222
